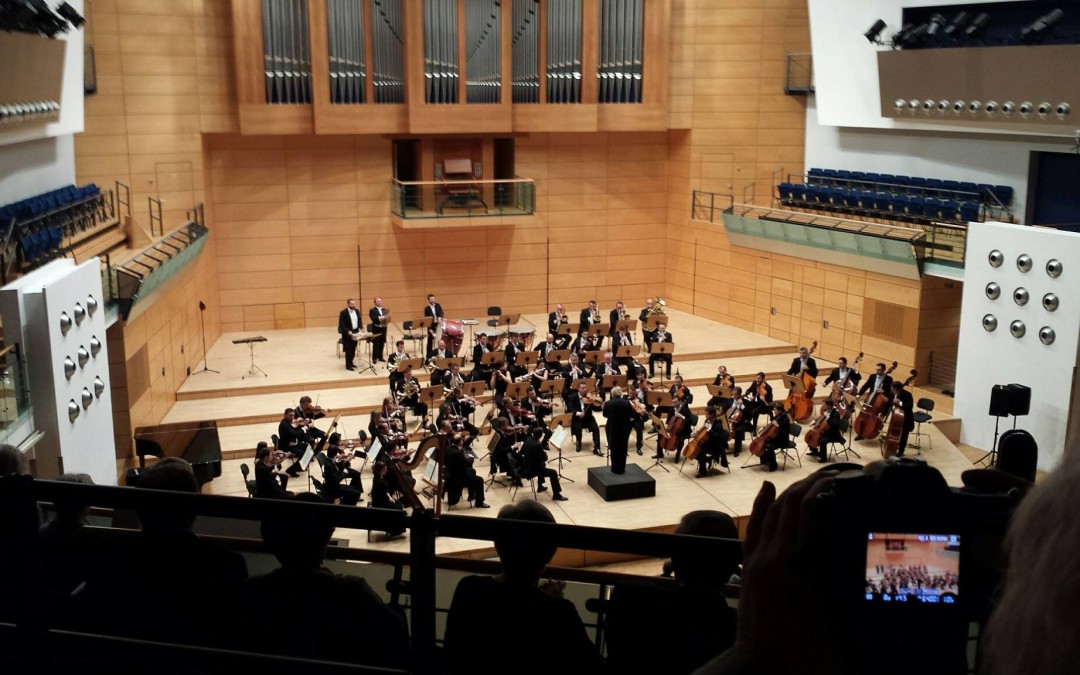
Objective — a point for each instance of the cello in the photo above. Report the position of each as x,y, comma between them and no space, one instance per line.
848,386
670,442
769,433
801,404
820,426
896,424
868,423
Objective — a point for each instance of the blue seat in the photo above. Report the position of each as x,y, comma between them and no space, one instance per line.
829,176
887,179
931,208
814,176
969,212
951,188
950,209
852,201
881,202
917,186
858,175
843,178
1004,194
835,196
933,189
971,191
798,192
865,200
786,192
916,206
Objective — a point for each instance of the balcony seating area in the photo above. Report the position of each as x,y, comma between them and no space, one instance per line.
40,225
895,198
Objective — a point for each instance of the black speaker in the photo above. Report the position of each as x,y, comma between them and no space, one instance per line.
1009,399
1018,454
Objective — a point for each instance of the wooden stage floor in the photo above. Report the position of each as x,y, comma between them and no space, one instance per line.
304,362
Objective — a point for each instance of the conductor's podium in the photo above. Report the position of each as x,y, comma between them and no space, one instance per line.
613,487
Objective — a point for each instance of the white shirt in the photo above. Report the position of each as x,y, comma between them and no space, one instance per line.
354,319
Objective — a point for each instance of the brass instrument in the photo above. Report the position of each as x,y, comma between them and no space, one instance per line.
658,306
411,388
594,316
624,315
456,382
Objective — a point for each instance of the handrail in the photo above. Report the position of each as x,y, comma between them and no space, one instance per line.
463,182
7,350
4,248
829,223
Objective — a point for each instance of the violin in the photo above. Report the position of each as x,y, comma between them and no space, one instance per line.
871,418
896,423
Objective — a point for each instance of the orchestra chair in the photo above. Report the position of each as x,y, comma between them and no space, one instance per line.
248,482
410,336
340,353
924,407
790,449
385,535
514,488
320,489
494,311
274,441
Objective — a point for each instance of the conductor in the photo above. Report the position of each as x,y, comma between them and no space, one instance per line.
620,414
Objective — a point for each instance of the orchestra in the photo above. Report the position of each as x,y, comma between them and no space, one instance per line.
731,413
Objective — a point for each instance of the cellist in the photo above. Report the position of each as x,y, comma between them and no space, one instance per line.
715,444
738,413
879,381
829,428
782,423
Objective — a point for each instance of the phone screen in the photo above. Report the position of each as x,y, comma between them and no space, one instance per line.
912,568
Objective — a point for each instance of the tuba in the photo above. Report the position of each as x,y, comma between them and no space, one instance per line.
658,306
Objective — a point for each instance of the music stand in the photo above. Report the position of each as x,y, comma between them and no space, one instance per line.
526,359
557,424
430,393
652,321
721,392
517,390
629,326
552,388
661,428
662,348
599,329
491,358
493,442
425,323
508,320
368,340
251,347
405,363
590,382
445,363
628,352
557,356
474,388
568,330
611,381
855,405
593,358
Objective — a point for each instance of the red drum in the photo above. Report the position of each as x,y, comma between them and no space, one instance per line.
453,335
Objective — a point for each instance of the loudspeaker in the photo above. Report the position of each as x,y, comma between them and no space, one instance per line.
1018,454
1009,399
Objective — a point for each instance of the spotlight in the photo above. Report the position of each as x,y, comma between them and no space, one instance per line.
937,22
873,34
912,37
956,24
68,12
977,24
1042,26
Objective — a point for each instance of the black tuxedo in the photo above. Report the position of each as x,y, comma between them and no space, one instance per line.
796,366
379,343
834,434
905,402
335,476
578,424
613,318
835,376
546,348
534,464
585,319
553,328
291,439
437,314
480,372
663,358
266,483
714,447
757,404
618,340
460,475
603,369
510,353
886,385
345,329
620,415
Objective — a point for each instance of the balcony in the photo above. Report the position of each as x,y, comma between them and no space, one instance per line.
423,203
15,408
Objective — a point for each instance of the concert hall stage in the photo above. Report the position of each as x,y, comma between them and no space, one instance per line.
304,361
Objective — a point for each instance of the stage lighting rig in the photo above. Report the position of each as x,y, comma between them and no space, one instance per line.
873,34
1041,27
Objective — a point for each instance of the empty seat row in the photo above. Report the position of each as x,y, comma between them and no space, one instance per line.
33,207
927,187
879,204
41,245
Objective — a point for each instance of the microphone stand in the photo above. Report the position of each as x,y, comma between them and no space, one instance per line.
202,330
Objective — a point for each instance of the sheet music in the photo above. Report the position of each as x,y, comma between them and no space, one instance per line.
431,471
375,449
309,454
558,437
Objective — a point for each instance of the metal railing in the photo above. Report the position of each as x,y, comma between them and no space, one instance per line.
415,575
709,205
142,274
14,392
462,198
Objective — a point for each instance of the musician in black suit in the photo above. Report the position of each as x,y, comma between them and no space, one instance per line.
270,480
620,416
292,438
843,374
715,444
480,371
340,480
589,316
722,379
582,419
378,328
534,464
573,370
382,497
556,319
547,346
348,325
460,475
439,376
803,362
614,318
879,381
741,416
834,434
432,310
783,422
510,352
606,367
758,396
902,399
643,318
658,336
310,412
623,339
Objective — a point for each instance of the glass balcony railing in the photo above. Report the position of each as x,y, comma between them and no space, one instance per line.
14,393
411,200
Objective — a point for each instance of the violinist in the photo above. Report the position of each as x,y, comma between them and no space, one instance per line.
394,444
639,394
292,439
722,379
270,479
759,396
582,406
739,416
660,336
381,495
539,407
408,393
715,445
458,424
392,415
310,412
504,457
605,368
555,320
833,433
460,474
513,348
336,471
463,406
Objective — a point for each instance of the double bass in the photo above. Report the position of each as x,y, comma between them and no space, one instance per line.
801,404
870,420
896,424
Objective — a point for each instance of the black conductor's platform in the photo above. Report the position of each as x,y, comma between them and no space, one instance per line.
613,487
